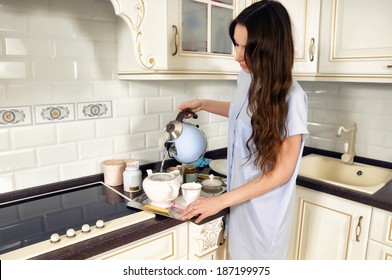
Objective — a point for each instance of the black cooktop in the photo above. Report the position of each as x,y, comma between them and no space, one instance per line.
35,219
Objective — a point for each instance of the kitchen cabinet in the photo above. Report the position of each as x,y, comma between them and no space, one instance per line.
380,236
355,39
185,241
178,39
305,17
328,227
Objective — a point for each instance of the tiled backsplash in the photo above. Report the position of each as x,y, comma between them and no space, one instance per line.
56,53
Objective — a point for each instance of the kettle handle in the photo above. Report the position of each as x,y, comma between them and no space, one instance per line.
184,112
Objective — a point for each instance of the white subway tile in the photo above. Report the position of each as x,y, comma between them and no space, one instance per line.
41,47
12,70
30,92
112,127
194,89
144,89
33,136
128,107
210,130
159,105
13,21
96,148
71,8
55,154
52,27
6,183
73,90
156,139
64,70
217,143
144,123
95,30
76,131
129,143
74,49
224,128
78,169
103,10
5,142
146,156
17,160
105,50
36,177
172,88
111,89
104,69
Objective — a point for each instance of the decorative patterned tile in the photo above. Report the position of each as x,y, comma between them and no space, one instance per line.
15,116
54,113
94,110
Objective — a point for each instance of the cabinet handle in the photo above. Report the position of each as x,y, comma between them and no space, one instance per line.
312,48
358,229
389,66
175,29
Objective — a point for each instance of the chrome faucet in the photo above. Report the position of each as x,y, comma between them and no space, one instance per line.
349,153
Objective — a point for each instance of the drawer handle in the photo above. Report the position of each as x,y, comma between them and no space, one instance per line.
389,66
312,48
358,229
175,29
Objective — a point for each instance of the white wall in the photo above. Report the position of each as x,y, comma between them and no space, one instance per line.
64,52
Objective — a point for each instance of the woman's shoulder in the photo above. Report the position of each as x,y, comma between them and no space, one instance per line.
296,92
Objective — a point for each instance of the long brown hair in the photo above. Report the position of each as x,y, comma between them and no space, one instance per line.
269,55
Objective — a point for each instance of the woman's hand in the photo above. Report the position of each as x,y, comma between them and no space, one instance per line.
204,207
195,105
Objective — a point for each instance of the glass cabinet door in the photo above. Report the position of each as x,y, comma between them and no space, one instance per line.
205,26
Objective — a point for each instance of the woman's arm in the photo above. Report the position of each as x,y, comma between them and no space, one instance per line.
213,106
281,174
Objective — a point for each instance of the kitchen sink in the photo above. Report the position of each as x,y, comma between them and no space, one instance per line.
357,176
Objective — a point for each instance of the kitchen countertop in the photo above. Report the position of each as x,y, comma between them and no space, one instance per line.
381,199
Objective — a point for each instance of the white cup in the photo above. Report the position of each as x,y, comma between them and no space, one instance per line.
190,192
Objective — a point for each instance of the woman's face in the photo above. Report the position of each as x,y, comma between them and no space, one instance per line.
240,39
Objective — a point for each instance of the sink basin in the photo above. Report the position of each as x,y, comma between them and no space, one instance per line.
360,177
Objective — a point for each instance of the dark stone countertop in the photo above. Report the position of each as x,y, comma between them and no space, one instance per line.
381,199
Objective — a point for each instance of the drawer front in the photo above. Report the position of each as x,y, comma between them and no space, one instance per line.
381,226
169,244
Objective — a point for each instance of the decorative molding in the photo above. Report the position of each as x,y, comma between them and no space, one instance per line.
94,110
207,237
136,26
54,113
15,116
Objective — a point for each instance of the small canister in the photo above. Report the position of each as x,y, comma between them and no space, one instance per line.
113,172
189,173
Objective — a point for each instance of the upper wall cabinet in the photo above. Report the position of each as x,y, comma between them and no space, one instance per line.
179,39
305,17
356,38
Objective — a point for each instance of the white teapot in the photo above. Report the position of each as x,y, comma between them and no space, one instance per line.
162,188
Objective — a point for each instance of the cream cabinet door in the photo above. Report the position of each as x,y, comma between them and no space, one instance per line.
305,17
179,39
378,251
356,37
329,227
166,245
380,236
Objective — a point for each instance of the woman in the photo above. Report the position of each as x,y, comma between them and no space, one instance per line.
267,130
